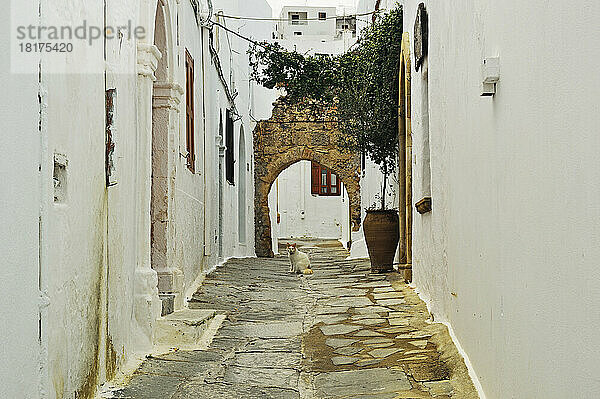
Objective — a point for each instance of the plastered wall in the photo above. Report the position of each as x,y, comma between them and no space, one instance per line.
508,255
20,194
73,293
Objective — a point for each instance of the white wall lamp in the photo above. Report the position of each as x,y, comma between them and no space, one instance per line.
490,71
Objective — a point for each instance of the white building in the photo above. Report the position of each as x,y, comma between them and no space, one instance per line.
307,200
508,254
90,257
298,210
316,30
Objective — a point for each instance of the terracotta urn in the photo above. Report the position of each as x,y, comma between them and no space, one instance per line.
382,232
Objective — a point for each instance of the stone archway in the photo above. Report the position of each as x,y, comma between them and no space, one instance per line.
166,97
294,134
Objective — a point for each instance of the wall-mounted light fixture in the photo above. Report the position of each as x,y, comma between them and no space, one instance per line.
491,75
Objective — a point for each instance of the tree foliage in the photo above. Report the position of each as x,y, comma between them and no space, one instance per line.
362,84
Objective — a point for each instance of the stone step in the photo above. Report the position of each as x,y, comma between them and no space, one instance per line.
183,328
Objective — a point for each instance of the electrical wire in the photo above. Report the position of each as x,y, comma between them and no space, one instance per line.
237,34
307,19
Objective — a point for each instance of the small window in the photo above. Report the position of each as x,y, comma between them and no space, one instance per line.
345,27
189,112
298,18
322,16
323,181
297,33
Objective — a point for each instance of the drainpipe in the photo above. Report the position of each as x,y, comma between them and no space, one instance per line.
204,235
203,18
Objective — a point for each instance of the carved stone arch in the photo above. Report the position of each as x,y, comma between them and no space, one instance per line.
291,135
166,99
163,37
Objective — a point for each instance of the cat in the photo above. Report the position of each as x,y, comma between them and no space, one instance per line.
299,262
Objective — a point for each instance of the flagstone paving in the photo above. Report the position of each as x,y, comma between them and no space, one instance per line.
339,333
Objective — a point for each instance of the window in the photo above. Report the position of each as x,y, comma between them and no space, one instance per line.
229,160
297,33
322,16
345,27
189,112
298,18
323,181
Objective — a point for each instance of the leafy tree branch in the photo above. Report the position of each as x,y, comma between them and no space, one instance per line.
361,84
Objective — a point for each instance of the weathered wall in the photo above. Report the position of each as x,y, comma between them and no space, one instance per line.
509,253
291,135
252,102
80,294
118,341
94,266
75,239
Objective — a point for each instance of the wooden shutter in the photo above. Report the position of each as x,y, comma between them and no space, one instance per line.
315,176
189,112
229,154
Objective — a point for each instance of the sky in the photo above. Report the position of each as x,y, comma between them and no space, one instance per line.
277,4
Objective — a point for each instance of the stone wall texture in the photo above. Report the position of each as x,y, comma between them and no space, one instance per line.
292,134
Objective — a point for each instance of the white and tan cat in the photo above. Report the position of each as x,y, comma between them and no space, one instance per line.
299,261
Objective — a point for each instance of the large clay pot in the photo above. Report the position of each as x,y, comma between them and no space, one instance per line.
382,233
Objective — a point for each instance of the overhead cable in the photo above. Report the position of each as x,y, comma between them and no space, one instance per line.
306,19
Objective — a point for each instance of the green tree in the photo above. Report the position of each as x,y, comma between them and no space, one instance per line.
362,84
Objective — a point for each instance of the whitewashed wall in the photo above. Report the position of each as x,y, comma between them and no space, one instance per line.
253,103
324,29
303,214
21,147
508,256
191,191
77,271
308,45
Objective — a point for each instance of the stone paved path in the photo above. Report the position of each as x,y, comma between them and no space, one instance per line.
340,333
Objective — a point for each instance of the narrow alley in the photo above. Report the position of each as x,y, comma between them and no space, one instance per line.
435,163
339,333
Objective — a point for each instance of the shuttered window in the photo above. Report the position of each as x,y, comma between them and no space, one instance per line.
189,112
324,181
229,154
